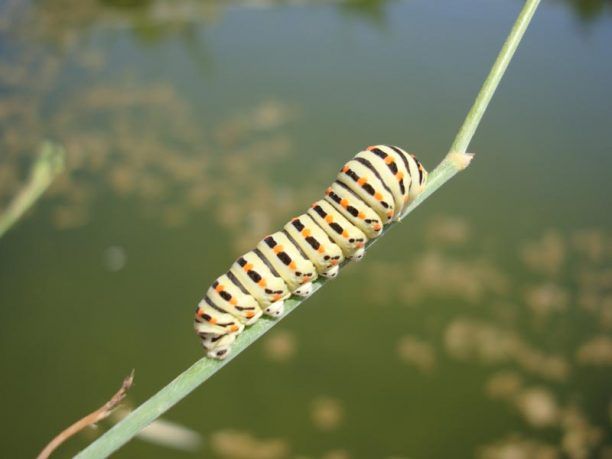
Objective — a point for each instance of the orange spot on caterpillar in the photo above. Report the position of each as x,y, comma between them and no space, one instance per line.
370,148
345,169
362,181
389,160
390,214
200,312
376,227
278,249
345,234
250,315
360,245
344,203
212,320
321,249
234,328
219,288
399,175
378,196
233,301
361,216
329,219
248,267
292,266
262,283
277,297
306,232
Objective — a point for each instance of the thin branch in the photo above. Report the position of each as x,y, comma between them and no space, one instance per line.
464,137
49,164
456,160
92,418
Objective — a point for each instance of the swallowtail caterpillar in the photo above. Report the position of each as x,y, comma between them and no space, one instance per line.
370,191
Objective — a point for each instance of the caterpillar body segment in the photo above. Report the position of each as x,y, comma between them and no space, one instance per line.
399,162
213,321
392,171
354,209
363,179
251,271
295,268
411,175
346,235
371,190
325,255
227,296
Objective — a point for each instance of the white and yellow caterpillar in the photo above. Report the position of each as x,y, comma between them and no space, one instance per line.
370,191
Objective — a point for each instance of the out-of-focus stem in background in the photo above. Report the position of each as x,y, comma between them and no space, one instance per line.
48,165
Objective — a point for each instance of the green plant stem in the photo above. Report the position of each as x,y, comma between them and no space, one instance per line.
186,382
48,165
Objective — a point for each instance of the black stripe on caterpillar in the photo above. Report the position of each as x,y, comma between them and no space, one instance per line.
370,191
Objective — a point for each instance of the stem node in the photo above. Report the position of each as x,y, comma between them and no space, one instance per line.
460,160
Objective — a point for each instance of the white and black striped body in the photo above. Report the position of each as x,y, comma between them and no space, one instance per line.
265,285
290,262
371,191
315,244
229,297
346,235
401,171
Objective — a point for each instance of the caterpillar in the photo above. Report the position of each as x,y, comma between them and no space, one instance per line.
369,192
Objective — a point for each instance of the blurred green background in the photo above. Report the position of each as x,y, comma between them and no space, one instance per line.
480,327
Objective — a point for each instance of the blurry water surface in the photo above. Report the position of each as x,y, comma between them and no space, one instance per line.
478,328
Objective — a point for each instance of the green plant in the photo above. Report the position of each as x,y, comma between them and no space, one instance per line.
48,165
456,160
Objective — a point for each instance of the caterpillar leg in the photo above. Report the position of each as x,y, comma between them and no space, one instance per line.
217,346
331,272
304,290
275,309
358,255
